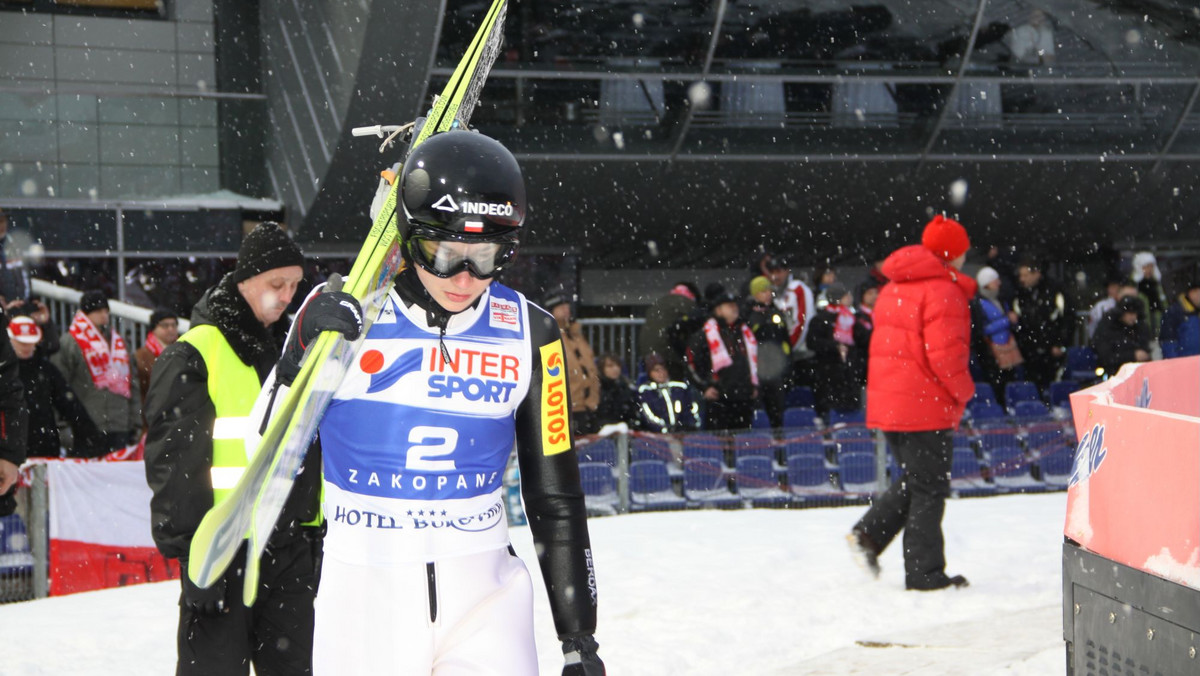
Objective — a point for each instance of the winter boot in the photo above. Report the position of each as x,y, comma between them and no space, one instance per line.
864,551
940,581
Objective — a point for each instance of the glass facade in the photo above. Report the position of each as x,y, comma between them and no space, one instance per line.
813,79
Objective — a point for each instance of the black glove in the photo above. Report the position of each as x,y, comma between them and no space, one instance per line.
201,601
581,658
326,311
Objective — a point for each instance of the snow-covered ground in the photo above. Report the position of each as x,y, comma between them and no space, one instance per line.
739,592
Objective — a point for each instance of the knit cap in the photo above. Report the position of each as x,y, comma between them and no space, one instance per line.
267,247
759,284
93,300
946,238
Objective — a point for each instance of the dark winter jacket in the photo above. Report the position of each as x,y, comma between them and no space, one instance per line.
668,407
1116,342
1181,323
180,416
918,377
734,382
838,379
112,412
13,412
46,392
618,402
774,344
1047,319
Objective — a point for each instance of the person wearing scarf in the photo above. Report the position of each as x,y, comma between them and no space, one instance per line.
95,362
836,340
164,330
723,361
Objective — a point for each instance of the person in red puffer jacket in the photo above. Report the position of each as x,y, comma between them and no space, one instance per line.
918,384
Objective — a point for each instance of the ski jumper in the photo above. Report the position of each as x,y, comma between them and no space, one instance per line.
418,575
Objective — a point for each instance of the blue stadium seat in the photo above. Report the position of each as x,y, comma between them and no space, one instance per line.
855,446
757,482
962,440
650,487
1054,454
988,415
807,476
851,434
983,392
1020,390
705,446
966,477
1081,364
837,417
800,395
804,446
1006,459
16,559
760,420
599,450
799,416
1060,391
599,488
754,443
1025,412
705,484
649,448
857,472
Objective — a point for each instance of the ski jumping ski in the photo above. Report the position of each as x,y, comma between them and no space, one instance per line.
252,509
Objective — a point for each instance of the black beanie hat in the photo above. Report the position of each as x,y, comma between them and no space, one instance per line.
161,313
267,247
93,300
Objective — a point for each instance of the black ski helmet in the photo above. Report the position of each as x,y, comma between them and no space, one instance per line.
464,186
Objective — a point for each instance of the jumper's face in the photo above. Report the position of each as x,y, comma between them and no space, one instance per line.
269,293
456,293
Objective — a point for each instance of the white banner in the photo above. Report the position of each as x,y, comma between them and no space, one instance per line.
106,503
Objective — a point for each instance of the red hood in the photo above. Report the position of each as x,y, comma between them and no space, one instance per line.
915,262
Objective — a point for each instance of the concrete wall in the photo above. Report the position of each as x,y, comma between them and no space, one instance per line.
98,108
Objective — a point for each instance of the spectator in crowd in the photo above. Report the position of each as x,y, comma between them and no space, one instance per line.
666,405
992,339
1001,259
1045,323
208,381
1181,323
618,396
45,393
774,347
164,330
582,379
1122,336
1148,278
836,340
794,298
95,362
723,359
824,276
864,315
14,276
875,272
1112,289
13,416
670,321
1032,42
917,388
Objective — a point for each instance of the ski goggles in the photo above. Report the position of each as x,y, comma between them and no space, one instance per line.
448,257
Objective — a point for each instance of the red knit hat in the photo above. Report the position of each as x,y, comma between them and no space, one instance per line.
946,238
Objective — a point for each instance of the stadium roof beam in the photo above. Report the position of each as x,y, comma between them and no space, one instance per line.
708,59
962,69
1187,110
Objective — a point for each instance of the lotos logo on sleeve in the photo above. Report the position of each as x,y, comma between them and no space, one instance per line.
556,431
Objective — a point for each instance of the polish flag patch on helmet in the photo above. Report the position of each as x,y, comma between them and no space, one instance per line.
473,226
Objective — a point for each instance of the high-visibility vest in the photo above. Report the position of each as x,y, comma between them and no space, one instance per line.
232,386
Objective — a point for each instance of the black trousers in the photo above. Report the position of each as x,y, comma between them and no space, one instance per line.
915,502
276,633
